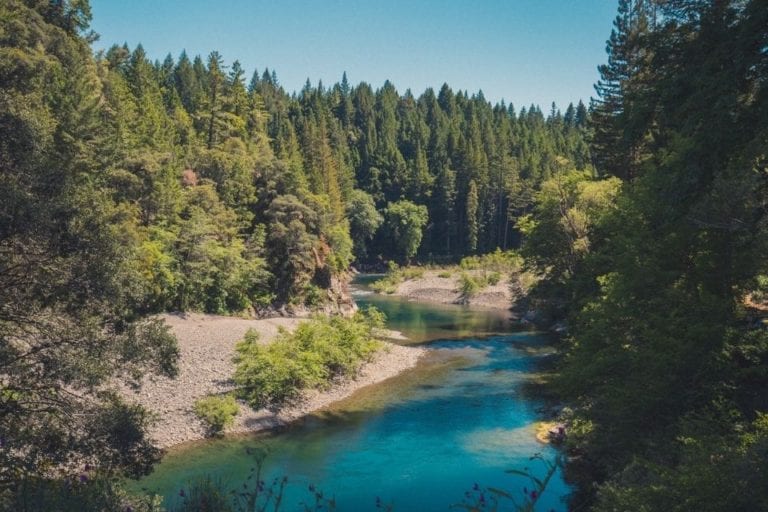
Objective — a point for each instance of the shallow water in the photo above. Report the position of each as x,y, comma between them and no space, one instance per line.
426,321
418,441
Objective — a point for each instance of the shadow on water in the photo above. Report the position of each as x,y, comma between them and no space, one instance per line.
418,440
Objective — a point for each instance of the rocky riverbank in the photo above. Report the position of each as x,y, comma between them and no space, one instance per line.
207,345
435,286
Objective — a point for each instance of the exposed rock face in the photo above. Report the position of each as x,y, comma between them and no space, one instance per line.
340,296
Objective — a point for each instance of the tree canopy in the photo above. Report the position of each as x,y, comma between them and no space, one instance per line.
665,362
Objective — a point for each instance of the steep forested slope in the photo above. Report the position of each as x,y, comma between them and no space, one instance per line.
667,361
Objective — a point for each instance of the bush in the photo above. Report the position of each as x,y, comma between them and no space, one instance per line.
217,412
445,274
470,285
314,296
498,261
395,276
409,273
310,357
387,284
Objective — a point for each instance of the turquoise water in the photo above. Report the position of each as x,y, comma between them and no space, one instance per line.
422,321
417,442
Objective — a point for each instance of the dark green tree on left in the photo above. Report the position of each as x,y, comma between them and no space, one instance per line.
67,321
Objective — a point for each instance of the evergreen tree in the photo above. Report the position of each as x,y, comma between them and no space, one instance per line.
472,223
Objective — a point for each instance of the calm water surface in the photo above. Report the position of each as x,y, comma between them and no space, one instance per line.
418,441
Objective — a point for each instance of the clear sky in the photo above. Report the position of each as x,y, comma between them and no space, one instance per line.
522,51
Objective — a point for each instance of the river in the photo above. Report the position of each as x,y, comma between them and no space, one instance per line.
419,442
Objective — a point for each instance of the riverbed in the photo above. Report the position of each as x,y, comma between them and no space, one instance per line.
421,441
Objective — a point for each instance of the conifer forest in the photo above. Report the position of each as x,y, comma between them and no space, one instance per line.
634,224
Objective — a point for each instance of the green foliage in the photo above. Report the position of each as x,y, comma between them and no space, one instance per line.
217,273
341,246
666,364
561,231
317,352
290,244
405,222
88,490
472,221
470,285
396,275
760,289
68,303
314,296
129,188
364,220
217,412
498,261
561,235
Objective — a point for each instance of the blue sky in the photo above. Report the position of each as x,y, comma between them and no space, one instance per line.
522,51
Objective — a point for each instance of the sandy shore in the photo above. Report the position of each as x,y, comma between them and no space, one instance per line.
207,344
445,290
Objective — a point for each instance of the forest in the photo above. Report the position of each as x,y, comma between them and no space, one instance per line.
130,187
231,194
659,265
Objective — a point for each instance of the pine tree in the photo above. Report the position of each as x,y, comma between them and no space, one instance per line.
472,221
616,142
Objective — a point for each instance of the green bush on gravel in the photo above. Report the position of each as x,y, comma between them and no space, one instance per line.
217,412
317,352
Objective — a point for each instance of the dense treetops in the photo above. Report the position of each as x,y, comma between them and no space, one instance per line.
472,165
241,195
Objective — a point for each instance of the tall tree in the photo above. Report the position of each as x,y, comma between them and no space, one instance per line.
472,222
67,320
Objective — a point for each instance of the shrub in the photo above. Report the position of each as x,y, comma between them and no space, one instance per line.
310,357
395,276
499,261
445,274
217,412
384,285
409,273
469,285
314,296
